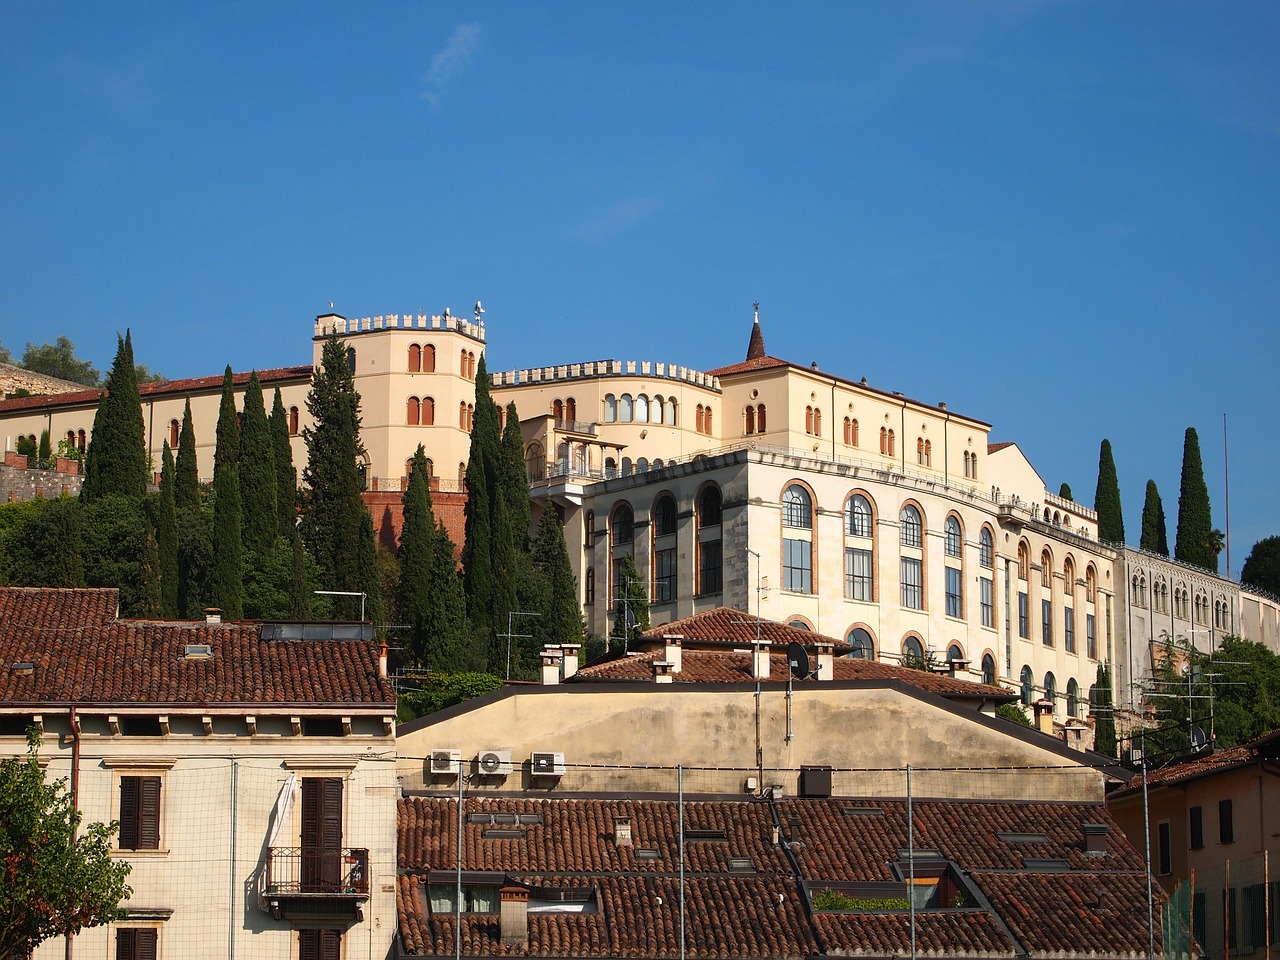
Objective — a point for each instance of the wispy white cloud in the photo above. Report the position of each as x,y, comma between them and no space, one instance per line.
614,220
451,62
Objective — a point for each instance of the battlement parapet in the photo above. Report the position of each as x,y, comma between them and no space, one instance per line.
595,369
331,324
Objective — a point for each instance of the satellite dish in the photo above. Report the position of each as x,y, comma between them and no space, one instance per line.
1198,740
799,661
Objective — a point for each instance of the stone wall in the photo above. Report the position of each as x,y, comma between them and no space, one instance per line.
17,483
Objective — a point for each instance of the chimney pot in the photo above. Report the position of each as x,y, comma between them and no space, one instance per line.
569,663
1044,715
662,671
673,646
212,615
826,663
760,660
513,918
622,831
551,657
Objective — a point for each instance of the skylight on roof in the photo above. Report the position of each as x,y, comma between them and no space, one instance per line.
1047,866
1023,837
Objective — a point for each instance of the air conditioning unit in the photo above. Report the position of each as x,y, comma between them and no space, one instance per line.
547,765
493,763
444,762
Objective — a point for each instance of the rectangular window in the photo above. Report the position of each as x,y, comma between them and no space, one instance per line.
1046,622
1226,828
476,898
797,566
664,575
988,606
1196,815
1069,629
912,584
1199,903
1024,619
135,943
857,574
139,813
1164,849
709,567
1090,636
955,599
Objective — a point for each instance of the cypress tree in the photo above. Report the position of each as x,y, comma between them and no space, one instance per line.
186,490
336,524
45,455
429,592
167,536
227,582
116,461
632,607
286,475
561,621
1106,500
1065,491
506,571
300,581
1195,543
1155,533
514,480
478,544
1104,729
257,470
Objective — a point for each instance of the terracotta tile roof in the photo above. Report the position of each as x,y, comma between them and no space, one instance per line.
1263,746
727,626
993,447
149,390
758,363
81,653
569,844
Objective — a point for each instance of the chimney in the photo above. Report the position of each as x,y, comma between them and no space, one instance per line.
1095,839
760,660
826,664
673,646
212,615
1044,715
622,832
957,667
513,918
570,660
382,660
662,671
551,658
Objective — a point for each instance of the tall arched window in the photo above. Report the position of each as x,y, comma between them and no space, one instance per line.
850,432
351,360
1073,698
80,434
759,418
622,524
884,440
1024,560
954,539
709,507
664,516
797,540
912,649
557,409
174,430
706,417
642,408
861,646
610,408
428,358
428,411
699,418
415,358
658,411
413,412
859,549
750,415
817,422
986,548
797,508
912,526
1046,569
625,408
1026,689
570,409
591,585
857,516
293,421
1051,688
710,555
808,420
988,669
1091,584
891,443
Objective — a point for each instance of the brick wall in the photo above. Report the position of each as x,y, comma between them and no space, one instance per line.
17,483
387,510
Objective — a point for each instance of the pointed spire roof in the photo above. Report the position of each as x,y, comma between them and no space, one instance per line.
755,349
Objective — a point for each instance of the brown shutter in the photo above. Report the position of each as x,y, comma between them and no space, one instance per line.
128,821
321,832
148,813
319,945
308,943
126,944
146,945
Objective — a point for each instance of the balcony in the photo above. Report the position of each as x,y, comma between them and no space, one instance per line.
317,888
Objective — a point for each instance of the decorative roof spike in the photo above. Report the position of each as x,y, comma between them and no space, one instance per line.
755,349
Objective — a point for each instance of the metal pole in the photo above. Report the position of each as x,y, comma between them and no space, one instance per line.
457,903
680,808
911,863
231,871
1146,834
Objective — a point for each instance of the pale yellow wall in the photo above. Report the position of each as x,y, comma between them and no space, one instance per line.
868,735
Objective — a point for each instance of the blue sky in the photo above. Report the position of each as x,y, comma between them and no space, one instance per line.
1062,218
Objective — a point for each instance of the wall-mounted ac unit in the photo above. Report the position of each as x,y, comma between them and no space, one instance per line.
493,763
444,762
547,765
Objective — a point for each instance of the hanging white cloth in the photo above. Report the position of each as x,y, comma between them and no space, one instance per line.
281,814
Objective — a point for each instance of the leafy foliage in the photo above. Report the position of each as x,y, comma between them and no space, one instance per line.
120,551
1013,712
1195,543
44,543
58,359
1262,566
1106,499
440,690
834,900
1102,711
1155,530
631,618
561,620
58,878
116,461
256,468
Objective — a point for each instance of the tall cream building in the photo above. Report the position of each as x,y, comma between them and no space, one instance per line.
855,512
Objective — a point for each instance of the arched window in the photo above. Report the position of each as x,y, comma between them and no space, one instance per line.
642,408
1091,584
1069,578
710,556
622,524
642,465
570,409
857,516
861,646
912,526
954,653
954,539
351,360
462,414
1024,560
591,585
413,412
759,418
928,453
817,422
415,358
293,421
1046,569
557,409
750,414
706,418
626,466
988,669
625,411
808,420
535,461
709,507
1073,698
466,373
664,516
1051,688
986,548
174,429
671,412
1026,690
913,649
850,432
462,473
699,418
428,411
589,527
920,450
428,358
797,508
610,468
610,408
891,443
562,459
80,434
884,440
658,411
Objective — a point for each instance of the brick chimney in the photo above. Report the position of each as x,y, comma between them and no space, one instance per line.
551,658
513,918
673,645
826,664
760,660
662,670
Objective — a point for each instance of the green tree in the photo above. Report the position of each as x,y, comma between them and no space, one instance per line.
1155,531
1103,714
166,522
1064,491
5,355
227,581
58,359
300,580
195,559
275,584
116,461
440,690
120,551
631,612
1262,566
286,475
59,875
45,455
186,490
1195,543
1106,499
257,471
481,513
45,548
513,480
561,620
336,525
143,375
430,599
1014,712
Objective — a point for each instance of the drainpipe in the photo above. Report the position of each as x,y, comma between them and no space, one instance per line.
75,789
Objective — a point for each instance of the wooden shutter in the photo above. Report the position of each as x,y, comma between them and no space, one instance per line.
321,831
319,945
128,822
149,813
135,943
146,949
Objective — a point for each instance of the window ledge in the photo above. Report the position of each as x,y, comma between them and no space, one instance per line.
144,854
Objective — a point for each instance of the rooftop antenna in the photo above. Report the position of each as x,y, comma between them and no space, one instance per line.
479,311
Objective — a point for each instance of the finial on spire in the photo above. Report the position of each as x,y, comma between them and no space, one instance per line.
755,349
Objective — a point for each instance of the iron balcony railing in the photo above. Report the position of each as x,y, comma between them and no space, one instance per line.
294,870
